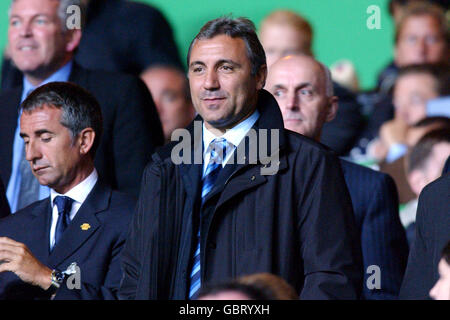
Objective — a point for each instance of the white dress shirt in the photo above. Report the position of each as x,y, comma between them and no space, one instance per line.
233,136
78,193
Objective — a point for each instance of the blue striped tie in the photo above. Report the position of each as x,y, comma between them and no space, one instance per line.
64,205
218,153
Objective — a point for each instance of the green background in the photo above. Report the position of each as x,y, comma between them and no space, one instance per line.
340,29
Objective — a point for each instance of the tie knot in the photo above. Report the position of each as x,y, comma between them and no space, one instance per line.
63,203
218,150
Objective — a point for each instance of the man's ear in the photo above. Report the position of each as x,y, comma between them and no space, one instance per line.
261,77
332,108
86,140
74,39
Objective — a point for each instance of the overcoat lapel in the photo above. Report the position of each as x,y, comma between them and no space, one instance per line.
39,239
83,226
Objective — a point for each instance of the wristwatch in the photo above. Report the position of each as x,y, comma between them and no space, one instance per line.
58,277
57,280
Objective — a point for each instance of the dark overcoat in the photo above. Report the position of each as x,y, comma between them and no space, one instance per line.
297,223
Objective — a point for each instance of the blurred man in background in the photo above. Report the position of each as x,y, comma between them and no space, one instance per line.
425,163
170,90
421,37
304,91
285,32
42,47
415,86
397,169
118,36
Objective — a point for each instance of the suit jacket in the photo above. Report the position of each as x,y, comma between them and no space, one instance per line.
96,249
4,205
131,127
383,240
432,234
288,223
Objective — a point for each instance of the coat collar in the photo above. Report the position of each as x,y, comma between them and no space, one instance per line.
83,226
270,119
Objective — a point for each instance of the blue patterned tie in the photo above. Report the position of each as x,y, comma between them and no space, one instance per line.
218,153
64,205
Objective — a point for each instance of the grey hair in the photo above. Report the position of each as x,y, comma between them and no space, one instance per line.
80,109
242,28
62,11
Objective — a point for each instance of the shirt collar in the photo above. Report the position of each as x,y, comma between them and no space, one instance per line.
80,192
233,135
62,75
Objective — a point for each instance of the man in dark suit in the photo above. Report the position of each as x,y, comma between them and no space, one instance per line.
303,89
215,209
42,48
83,222
432,234
118,36
4,206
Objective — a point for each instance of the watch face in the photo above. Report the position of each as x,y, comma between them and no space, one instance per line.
59,276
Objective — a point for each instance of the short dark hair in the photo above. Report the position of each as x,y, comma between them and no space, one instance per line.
438,72
446,253
420,153
80,109
235,28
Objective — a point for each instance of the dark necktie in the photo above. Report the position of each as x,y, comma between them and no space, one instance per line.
218,154
64,205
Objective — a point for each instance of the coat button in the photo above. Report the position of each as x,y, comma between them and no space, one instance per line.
253,178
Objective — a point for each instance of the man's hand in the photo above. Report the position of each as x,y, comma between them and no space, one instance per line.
17,258
393,132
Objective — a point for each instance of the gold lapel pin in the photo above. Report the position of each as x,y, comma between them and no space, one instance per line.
85,226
